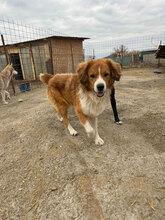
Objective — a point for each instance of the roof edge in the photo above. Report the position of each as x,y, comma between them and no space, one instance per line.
47,38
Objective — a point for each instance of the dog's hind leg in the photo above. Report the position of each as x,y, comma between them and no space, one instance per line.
57,114
7,94
59,117
3,97
63,110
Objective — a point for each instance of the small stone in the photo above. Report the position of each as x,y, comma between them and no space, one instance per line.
54,188
96,171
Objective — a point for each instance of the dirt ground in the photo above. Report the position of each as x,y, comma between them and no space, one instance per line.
45,174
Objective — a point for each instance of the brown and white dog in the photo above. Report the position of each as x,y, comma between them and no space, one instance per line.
5,77
88,91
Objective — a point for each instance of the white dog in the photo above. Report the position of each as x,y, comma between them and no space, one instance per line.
5,77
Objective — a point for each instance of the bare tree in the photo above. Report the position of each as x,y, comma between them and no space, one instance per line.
120,51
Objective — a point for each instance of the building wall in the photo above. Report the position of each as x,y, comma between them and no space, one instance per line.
39,57
32,59
3,62
52,56
151,59
66,54
26,63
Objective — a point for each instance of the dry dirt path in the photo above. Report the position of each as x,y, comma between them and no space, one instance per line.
46,174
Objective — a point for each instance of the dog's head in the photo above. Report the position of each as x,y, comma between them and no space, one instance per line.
12,70
98,75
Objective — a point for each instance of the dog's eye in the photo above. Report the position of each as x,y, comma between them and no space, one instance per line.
106,74
92,76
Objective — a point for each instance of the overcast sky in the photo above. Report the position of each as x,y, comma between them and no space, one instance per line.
97,19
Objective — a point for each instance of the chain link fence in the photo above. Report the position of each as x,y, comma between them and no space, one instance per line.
34,50
133,51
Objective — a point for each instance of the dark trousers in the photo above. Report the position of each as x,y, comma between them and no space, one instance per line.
113,104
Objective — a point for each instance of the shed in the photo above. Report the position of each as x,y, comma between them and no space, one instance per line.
146,53
160,53
55,54
149,57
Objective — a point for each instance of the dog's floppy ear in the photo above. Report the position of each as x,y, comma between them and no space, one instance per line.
82,71
115,69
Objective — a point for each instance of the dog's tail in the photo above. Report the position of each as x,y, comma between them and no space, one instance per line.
45,77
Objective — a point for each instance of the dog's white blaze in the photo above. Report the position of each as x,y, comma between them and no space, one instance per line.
100,80
99,70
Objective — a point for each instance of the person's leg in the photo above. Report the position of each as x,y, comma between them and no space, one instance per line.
113,104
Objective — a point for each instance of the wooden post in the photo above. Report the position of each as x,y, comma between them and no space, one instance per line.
22,66
72,57
40,59
122,55
93,54
33,64
48,55
159,58
83,55
5,50
7,60
133,60
51,56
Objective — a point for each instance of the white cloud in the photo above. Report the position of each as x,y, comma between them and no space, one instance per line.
90,18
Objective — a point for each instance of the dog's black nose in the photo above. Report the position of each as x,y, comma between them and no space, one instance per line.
100,87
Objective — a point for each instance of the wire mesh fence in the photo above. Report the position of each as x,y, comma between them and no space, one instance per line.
33,50
128,52
16,31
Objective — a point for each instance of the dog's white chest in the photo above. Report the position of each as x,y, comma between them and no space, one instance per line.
92,105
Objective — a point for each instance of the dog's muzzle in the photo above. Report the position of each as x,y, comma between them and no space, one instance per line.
100,89
15,72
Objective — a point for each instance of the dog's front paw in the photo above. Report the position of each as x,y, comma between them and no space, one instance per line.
5,103
73,132
98,141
